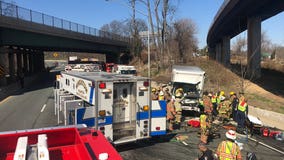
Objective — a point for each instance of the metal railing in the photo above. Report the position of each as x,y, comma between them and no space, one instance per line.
224,4
14,11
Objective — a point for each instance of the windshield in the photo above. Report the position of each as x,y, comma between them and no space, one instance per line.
190,90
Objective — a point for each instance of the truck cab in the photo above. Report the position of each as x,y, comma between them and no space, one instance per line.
191,80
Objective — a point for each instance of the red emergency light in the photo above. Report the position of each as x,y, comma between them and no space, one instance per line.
102,85
158,128
146,83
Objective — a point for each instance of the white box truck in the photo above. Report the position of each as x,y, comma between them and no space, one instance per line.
191,80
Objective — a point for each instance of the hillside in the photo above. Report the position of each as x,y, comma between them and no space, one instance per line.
219,78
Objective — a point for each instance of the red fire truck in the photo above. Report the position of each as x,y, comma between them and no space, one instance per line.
58,143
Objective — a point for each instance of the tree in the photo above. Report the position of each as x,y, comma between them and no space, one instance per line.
184,30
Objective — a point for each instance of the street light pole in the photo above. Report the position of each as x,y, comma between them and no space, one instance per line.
149,56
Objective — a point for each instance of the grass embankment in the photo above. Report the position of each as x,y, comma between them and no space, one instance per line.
218,78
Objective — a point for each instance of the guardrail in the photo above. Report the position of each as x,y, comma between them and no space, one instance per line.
14,11
224,4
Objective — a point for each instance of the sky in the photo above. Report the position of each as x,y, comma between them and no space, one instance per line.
96,13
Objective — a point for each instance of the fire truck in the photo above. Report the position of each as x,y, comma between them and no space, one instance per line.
118,105
56,143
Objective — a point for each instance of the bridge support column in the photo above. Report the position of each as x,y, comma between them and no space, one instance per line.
12,68
254,47
4,66
19,61
226,51
219,52
25,61
212,53
31,66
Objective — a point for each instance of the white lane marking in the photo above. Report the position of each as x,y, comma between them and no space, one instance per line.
43,107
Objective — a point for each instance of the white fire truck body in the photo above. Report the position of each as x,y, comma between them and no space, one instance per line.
117,105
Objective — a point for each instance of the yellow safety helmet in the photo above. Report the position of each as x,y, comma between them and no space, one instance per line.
179,92
153,89
222,93
232,93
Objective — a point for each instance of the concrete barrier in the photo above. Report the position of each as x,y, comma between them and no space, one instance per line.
268,118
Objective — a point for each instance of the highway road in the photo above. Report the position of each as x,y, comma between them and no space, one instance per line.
30,107
33,107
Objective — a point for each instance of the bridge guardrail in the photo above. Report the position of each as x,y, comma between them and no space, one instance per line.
12,10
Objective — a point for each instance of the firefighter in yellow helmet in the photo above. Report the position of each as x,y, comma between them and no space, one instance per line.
178,99
234,105
161,95
154,95
228,149
224,109
171,112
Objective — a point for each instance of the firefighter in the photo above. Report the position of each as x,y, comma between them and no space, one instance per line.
154,95
178,99
168,96
161,95
171,112
204,127
207,104
224,109
214,103
228,149
234,104
242,112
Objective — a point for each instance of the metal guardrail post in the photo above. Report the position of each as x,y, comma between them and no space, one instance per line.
31,16
52,21
17,12
42,15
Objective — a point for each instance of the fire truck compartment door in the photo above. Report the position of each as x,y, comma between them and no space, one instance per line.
85,115
158,118
69,110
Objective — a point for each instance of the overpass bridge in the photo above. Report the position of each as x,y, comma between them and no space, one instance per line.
234,17
25,34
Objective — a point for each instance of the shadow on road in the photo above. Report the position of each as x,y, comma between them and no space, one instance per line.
31,83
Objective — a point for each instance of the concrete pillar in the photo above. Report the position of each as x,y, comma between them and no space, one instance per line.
19,61
254,47
212,53
219,52
4,66
11,61
25,61
41,60
30,58
226,51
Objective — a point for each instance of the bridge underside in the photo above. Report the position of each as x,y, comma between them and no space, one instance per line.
236,17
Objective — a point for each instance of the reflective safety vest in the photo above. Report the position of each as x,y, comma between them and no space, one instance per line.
242,106
214,99
228,150
161,97
203,118
218,100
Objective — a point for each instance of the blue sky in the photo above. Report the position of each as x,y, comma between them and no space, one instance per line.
95,13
